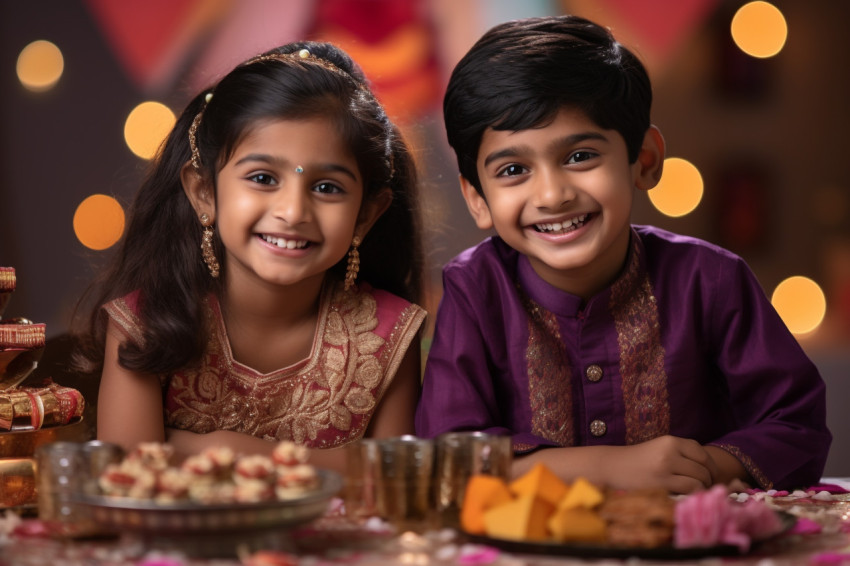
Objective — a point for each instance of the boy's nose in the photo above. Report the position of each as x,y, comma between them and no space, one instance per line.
552,190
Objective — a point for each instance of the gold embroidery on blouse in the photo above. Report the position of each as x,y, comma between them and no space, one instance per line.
323,402
126,319
644,380
549,377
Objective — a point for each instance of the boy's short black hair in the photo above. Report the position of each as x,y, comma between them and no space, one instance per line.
521,73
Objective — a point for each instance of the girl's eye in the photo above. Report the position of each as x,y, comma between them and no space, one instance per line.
511,170
327,188
580,156
262,179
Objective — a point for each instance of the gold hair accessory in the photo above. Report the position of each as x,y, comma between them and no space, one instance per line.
303,55
353,263
193,132
207,251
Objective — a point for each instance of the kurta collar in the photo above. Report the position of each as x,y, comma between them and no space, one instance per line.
566,304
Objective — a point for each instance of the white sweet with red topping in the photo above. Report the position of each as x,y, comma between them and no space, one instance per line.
199,466
172,484
253,491
253,468
128,479
222,459
295,481
152,455
288,453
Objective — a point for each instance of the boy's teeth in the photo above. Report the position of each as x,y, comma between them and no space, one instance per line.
559,226
284,243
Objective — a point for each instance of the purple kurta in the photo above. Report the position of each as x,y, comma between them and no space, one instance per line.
684,342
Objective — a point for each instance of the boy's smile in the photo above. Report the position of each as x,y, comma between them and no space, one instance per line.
562,195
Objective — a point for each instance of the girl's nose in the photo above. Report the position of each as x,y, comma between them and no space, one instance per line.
292,203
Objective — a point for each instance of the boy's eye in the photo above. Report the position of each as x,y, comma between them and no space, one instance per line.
580,156
327,188
262,179
511,170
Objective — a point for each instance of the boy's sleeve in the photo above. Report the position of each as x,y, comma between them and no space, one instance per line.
776,392
457,391
469,384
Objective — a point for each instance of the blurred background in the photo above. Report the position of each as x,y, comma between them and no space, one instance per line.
752,99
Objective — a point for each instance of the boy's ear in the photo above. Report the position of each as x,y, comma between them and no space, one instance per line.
650,161
476,204
371,210
197,190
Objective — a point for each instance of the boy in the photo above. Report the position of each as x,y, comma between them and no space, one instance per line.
625,354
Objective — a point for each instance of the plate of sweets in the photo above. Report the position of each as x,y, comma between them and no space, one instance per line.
216,496
540,514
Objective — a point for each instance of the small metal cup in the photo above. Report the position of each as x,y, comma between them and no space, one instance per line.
459,456
58,467
64,472
391,478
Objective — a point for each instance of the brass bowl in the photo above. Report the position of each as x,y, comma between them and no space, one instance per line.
22,443
17,483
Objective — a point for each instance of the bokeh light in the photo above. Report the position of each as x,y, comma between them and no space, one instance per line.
801,303
40,65
759,29
99,222
146,128
680,189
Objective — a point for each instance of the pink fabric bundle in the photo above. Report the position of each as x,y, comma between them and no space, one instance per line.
710,518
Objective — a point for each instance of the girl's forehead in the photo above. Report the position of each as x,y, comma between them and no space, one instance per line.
298,136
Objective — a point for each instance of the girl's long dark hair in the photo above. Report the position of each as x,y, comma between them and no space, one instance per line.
160,253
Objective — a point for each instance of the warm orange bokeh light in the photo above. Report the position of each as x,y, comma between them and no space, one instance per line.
680,190
801,304
99,222
146,127
759,29
40,65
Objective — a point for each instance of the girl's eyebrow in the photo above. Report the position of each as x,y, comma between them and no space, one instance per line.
571,139
284,163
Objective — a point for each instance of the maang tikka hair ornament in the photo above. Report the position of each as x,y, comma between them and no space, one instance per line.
207,251
353,263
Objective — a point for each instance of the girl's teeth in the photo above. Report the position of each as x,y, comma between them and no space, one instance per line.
284,243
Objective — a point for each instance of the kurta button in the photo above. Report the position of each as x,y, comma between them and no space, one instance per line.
593,373
598,428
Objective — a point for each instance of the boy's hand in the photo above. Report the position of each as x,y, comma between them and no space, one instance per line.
677,464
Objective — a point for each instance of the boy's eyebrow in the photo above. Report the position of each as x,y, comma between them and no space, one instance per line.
566,140
283,163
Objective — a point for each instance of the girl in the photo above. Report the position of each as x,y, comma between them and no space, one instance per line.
265,286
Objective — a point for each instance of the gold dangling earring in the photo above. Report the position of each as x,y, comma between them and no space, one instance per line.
207,251
353,263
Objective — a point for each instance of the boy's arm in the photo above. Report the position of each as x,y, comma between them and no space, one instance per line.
678,465
457,391
777,395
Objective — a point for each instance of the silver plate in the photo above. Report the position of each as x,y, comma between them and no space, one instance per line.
120,514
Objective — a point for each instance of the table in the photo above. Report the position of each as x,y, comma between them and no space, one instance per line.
820,537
